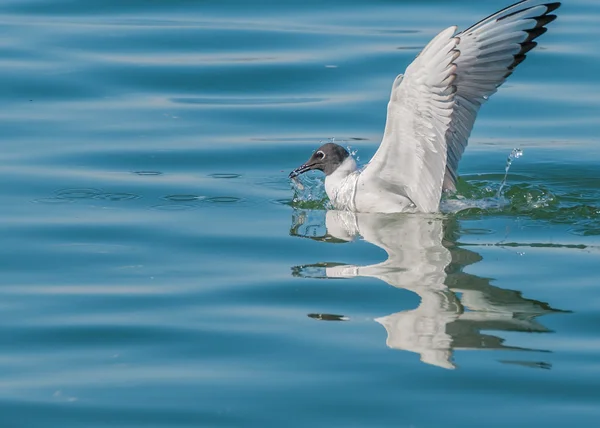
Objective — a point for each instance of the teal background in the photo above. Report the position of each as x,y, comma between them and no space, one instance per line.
153,270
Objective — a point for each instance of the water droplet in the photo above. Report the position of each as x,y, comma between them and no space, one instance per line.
514,154
297,184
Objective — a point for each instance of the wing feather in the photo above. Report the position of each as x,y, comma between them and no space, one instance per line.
489,52
433,107
412,156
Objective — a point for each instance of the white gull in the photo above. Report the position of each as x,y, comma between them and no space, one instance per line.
431,113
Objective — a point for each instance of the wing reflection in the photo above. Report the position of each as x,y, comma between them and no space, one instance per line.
455,307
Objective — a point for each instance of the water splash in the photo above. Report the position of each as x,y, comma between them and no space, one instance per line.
482,197
309,191
354,153
309,188
483,194
514,154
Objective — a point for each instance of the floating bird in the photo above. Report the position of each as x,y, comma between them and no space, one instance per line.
430,115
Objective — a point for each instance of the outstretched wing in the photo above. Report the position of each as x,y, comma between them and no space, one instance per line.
411,159
434,105
489,52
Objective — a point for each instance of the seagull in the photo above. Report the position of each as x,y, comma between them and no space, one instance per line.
431,113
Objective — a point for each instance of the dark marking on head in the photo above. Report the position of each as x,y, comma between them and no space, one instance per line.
327,158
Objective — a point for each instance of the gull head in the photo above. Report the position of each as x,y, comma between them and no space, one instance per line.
327,158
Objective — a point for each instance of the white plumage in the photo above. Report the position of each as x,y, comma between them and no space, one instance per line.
432,110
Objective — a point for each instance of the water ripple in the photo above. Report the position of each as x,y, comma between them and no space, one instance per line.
157,279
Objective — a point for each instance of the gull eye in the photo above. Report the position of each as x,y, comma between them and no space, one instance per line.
320,154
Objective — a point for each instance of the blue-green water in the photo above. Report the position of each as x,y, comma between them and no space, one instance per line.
156,272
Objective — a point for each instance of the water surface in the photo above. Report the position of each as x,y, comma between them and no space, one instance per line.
156,270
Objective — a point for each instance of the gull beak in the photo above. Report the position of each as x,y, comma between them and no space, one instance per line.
300,170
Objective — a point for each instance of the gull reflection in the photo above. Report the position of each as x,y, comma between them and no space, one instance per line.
455,306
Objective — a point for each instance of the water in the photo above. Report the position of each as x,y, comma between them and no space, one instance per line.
514,154
157,272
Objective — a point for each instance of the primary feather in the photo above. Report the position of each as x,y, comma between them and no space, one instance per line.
433,107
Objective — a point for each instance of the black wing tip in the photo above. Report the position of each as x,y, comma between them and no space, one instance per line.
519,58
534,33
552,6
526,47
544,20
